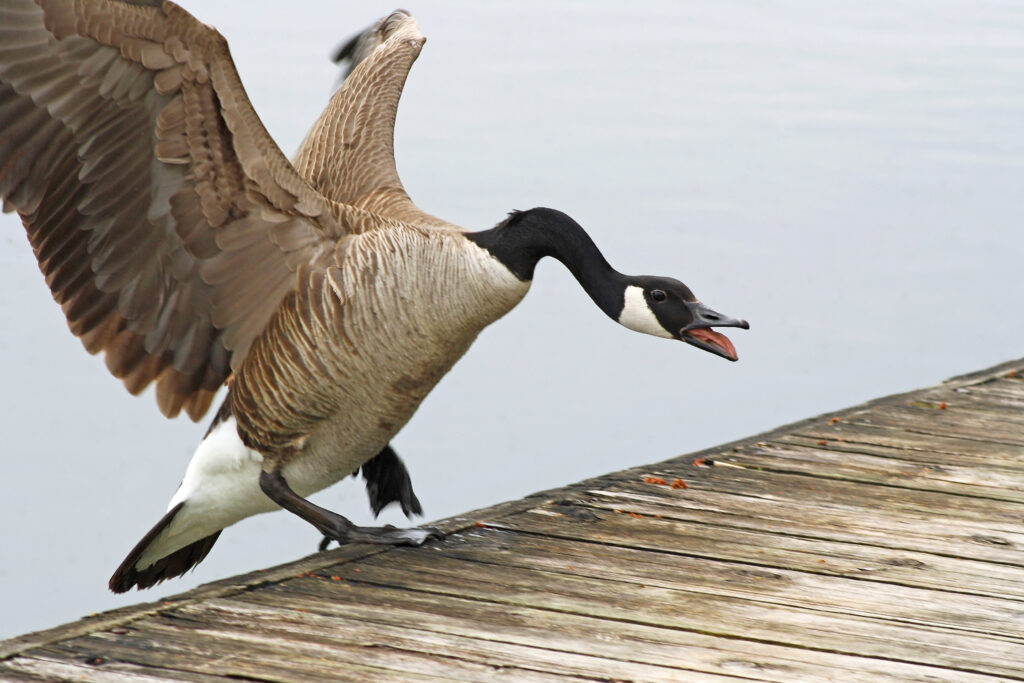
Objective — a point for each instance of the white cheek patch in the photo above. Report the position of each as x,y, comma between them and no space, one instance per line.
638,316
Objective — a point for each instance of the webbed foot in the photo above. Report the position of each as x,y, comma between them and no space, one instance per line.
380,535
333,526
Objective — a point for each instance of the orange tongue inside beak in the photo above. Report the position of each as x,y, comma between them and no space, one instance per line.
716,339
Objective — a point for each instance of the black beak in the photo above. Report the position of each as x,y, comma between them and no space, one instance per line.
705,317
699,333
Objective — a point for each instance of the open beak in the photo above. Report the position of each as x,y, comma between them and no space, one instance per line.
699,333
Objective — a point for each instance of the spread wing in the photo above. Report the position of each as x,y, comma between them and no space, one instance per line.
349,154
167,222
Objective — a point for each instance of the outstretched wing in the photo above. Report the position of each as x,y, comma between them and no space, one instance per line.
167,222
349,154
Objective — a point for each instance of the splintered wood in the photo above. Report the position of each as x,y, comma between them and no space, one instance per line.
885,541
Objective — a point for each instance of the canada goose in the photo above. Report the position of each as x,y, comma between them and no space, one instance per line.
181,242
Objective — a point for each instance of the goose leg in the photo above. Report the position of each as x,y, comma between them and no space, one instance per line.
387,481
332,525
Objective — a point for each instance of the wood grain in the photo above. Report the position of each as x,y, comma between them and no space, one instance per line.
881,542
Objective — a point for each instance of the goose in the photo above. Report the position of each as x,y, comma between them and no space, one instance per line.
182,244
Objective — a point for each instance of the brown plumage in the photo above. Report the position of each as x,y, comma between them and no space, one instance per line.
182,243
168,223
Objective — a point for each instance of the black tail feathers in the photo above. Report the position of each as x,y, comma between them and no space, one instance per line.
177,563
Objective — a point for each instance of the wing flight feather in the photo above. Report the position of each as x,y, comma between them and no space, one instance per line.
168,224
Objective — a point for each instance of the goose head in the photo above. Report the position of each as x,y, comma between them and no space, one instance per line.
659,306
665,307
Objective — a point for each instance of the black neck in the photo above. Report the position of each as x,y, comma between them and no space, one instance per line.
526,237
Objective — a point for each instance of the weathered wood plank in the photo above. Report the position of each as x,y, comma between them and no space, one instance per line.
825,508
244,582
491,661
978,406
1005,397
861,441
797,488
725,616
193,654
959,451
771,525
11,674
764,548
881,542
810,590
821,461
611,640
953,422
49,668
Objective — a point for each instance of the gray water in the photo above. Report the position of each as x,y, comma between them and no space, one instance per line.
846,175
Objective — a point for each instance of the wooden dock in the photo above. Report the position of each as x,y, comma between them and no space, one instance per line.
882,542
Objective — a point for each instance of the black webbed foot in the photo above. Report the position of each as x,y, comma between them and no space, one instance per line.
343,531
382,535
387,481
332,525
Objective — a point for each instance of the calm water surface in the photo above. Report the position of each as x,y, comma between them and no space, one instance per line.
845,175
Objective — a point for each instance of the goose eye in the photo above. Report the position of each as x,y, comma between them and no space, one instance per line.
658,295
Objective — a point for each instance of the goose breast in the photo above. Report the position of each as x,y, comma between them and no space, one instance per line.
350,356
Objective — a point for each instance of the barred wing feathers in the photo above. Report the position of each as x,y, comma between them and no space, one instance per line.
167,222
